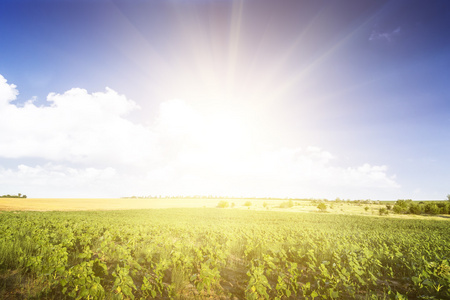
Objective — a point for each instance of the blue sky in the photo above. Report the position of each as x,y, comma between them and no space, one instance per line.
285,98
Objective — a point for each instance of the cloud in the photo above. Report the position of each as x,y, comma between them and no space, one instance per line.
52,180
75,127
8,92
284,172
84,145
384,36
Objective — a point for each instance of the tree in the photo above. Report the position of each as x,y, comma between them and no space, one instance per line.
383,211
416,209
448,197
322,207
287,204
432,209
223,204
402,206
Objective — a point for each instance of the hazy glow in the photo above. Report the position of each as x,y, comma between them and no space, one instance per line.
257,98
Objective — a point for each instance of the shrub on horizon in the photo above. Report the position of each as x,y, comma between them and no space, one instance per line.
287,204
383,211
322,207
223,204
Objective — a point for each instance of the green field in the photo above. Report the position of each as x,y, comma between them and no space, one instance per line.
211,253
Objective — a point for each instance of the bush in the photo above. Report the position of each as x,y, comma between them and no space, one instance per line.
402,206
223,204
432,209
403,202
366,208
265,204
398,209
248,203
388,206
322,207
287,204
383,211
444,208
416,209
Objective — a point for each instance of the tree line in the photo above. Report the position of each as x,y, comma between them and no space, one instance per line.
19,195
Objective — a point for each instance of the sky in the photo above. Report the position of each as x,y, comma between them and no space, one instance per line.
243,98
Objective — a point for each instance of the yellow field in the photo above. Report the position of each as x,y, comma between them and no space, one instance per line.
83,204
75,204
72,204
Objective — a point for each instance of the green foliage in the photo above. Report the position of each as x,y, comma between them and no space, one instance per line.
402,206
444,208
80,281
206,278
223,204
322,207
199,254
287,204
19,195
258,284
383,211
123,283
432,209
418,208
415,208
248,203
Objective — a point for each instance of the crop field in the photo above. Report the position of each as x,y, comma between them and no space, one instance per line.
212,253
76,204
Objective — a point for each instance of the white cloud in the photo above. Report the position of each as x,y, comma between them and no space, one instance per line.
91,149
8,92
386,35
282,172
76,127
52,180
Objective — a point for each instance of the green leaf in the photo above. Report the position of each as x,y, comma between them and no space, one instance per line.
416,280
63,282
427,283
84,292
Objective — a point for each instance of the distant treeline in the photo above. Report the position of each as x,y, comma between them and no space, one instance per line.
221,197
407,206
313,200
19,195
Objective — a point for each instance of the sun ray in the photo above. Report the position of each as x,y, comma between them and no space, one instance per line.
234,43
134,46
315,63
